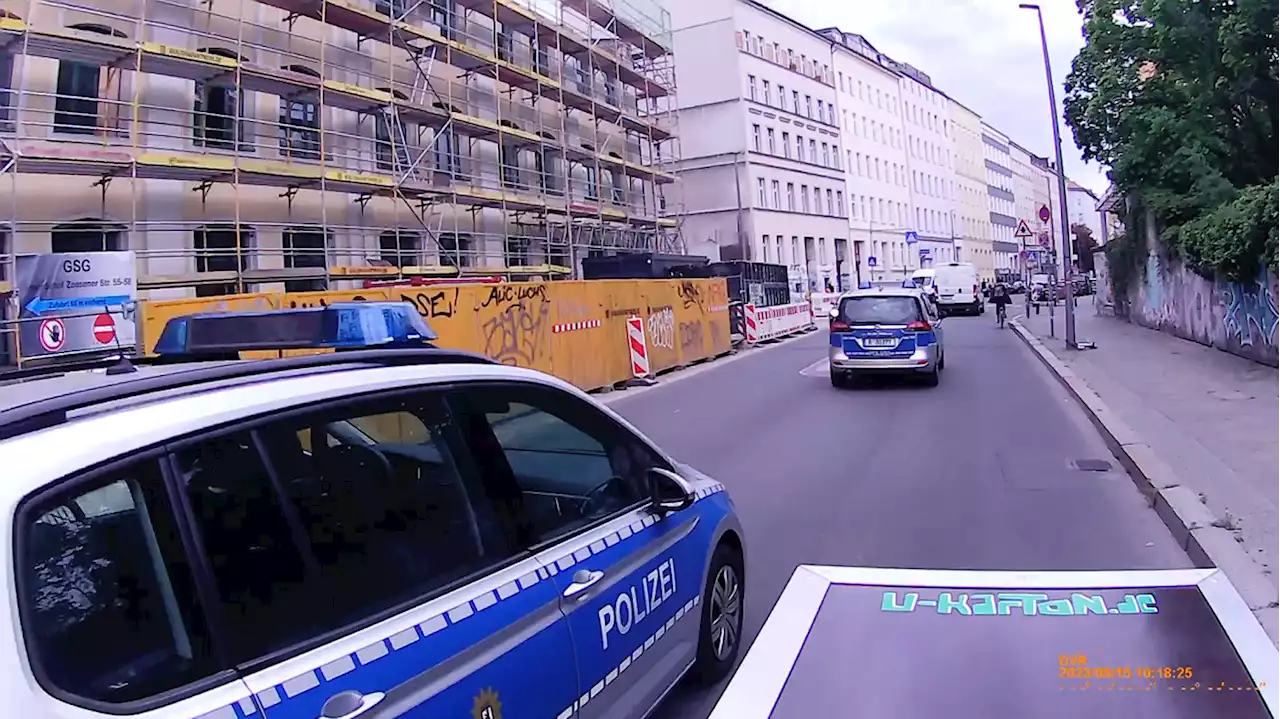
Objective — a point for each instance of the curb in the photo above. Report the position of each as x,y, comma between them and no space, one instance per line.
1188,520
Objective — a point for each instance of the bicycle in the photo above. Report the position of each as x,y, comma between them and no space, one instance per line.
1000,312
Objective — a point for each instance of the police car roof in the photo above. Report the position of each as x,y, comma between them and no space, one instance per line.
37,398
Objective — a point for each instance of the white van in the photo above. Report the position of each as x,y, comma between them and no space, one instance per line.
959,288
923,278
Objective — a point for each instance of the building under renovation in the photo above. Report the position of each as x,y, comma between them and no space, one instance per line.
244,146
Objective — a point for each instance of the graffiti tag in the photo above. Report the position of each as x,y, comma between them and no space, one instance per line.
691,338
661,327
1250,314
517,336
690,295
319,302
441,303
504,295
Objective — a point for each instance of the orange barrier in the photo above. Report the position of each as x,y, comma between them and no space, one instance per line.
575,330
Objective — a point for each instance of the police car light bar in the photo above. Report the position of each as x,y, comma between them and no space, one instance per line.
339,326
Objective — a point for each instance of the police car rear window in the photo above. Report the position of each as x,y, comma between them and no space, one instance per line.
890,310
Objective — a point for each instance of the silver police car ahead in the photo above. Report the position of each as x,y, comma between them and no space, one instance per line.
886,330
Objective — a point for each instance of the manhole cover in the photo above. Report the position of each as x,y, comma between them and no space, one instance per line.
1092,465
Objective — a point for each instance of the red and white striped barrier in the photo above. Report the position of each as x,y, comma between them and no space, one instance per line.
780,321
822,304
752,322
639,350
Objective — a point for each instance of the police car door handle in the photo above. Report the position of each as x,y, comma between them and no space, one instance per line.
583,579
349,704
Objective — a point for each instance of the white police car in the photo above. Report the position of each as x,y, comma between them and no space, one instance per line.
402,531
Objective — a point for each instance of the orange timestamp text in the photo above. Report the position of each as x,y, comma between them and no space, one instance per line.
1077,666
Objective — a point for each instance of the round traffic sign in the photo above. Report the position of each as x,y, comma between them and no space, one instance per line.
104,329
53,335
1044,213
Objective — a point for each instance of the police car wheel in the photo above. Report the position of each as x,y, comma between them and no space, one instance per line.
721,633
931,379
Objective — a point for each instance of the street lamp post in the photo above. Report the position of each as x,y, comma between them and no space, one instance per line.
1069,306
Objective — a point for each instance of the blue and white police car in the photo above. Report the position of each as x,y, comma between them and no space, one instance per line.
886,330
385,530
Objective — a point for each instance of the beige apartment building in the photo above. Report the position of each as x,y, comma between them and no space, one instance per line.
240,146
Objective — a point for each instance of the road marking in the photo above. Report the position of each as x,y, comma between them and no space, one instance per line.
670,379
817,369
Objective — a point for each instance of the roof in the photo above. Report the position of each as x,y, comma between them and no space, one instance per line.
886,292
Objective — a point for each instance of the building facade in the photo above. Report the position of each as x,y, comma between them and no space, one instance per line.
1001,202
867,84
972,217
268,146
927,130
1082,209
762,158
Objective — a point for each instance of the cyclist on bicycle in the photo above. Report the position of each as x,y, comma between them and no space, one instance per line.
1000,298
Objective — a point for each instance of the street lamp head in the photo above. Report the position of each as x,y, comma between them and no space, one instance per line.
1029,6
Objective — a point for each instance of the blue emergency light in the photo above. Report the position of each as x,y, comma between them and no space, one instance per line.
339,326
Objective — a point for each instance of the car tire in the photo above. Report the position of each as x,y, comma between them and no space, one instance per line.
931,379
718,642
942,360
839,380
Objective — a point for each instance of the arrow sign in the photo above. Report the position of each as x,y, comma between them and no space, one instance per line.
1023,231
39,305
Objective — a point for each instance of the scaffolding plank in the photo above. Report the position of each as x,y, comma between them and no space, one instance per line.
605,17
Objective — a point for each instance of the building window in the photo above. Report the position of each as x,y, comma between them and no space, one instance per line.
786,144
791,196
516,251
826,155
800,148
751,86
444,16
795,101
773,149
400,248
813,151
221,249
79,88
304,247
768,97
217,112
808,106
782,97
764,249
455,249
777,200
764,200
804,198
300,124
755,137
509,161
831,207
87,236
819,117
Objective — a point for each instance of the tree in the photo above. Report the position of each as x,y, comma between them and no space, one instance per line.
1180,99
1082,246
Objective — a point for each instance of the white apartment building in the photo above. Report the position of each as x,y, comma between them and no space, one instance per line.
972,218
1046,195
926,118
1082,206
762,157
1000,198
876,169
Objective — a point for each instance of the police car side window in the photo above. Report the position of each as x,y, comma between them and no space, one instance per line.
559,462
108,603
374,515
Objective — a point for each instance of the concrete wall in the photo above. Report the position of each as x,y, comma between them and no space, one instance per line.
1236,317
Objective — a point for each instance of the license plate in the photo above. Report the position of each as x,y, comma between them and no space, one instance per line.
886,342
947,296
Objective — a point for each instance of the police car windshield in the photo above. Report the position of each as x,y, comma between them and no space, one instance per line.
890,310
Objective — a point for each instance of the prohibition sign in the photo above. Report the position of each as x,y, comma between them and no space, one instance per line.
53,335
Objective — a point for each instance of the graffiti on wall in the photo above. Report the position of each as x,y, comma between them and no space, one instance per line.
692,338
434,303
517,332
691,296
660,327
1249,314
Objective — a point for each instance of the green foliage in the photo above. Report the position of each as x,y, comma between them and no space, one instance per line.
1126,257
1180,99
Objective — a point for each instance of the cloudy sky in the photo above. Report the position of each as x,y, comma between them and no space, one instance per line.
984,53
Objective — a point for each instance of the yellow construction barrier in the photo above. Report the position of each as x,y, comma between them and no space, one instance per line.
574,330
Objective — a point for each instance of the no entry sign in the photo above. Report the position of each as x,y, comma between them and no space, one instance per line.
104,329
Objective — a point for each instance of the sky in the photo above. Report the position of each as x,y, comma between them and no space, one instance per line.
983,53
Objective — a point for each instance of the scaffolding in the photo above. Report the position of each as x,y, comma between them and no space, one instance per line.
242,145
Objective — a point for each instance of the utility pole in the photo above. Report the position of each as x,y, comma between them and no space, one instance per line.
1069,306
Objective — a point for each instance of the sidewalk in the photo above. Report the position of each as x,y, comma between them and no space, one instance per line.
1209,415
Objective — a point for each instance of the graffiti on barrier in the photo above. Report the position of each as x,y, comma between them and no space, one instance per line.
691,338
505,295
661,327
691,296
440,303
517,334
319,302
1249,313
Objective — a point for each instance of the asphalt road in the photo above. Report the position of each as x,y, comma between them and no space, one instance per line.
973,474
